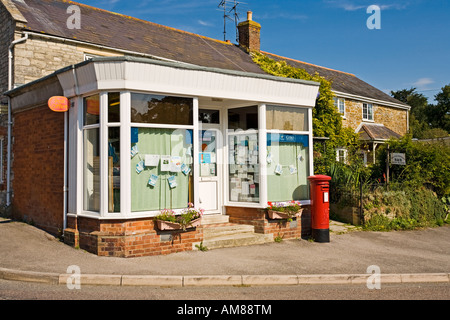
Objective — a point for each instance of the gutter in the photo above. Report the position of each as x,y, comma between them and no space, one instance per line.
10,84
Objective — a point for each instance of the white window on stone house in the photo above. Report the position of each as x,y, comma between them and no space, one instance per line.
368,111
340,105
341,155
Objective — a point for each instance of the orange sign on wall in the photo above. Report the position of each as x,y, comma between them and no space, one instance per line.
58,104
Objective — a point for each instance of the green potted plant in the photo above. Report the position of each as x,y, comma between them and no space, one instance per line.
284,210
189,218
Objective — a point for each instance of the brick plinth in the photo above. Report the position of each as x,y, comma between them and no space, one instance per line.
128,238
296,229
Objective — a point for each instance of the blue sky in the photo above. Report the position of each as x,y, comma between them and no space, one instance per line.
412,48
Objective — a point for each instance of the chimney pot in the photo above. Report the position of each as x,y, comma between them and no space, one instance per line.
249,16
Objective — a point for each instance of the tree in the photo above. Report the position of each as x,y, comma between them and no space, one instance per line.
439,115
427,120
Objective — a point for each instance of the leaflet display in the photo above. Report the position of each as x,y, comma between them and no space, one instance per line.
243,167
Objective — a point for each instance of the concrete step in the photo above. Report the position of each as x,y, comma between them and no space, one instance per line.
212,231
208,219
235,240
226,235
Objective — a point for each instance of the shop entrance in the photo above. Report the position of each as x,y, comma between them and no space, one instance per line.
210,158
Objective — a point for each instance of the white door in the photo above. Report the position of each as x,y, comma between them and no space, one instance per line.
210,166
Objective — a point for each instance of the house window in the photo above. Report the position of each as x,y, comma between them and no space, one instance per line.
340,105
341,155
367,111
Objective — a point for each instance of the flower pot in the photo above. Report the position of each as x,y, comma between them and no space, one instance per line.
167,225
282,215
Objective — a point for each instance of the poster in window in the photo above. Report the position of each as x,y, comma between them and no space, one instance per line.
165,163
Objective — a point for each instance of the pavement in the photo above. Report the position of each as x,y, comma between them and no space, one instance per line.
30,254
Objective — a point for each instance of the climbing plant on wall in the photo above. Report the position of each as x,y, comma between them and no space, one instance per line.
327,122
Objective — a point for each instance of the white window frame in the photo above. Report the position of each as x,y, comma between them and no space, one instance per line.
338,156
337,104
365,115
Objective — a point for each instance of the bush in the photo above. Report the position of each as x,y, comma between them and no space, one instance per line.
403,210
426,164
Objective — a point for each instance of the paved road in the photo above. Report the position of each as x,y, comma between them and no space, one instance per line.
14,290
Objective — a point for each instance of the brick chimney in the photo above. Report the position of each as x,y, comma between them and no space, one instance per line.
249,34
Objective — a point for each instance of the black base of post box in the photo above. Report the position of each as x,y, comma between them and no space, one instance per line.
321,235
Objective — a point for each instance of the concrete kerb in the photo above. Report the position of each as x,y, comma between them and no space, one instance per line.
219,280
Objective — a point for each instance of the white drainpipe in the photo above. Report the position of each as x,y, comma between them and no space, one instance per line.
10,86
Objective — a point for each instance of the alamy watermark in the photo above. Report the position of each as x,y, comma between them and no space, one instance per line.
74,280
374,21
74,21
374,280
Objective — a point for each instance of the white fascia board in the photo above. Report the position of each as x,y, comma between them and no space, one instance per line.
201,82
371,100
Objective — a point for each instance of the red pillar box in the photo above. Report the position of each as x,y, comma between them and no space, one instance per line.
320,207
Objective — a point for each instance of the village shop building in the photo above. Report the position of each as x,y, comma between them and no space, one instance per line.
143,135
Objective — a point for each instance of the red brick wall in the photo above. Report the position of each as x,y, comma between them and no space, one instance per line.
279,228
130,238
38,168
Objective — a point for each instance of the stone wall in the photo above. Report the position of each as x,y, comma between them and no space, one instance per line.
393,118
7,26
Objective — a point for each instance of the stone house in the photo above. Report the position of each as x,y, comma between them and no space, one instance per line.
64,171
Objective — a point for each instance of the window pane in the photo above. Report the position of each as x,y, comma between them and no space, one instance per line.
286,118
114,169
146,108
243,118
91,170
209,116
114,107
161,169
287,167
243,167
365,111
341,106
92,110
243,163
370,112
208,153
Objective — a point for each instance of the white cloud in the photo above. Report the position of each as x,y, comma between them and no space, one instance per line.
423,83
354,5
204,23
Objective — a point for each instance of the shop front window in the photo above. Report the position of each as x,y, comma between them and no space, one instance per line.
243,156
287,167
91,152
288,162
148,108
91,170
161,169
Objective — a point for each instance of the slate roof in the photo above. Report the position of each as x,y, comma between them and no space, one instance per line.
110,29
341,81
127,33
375,132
